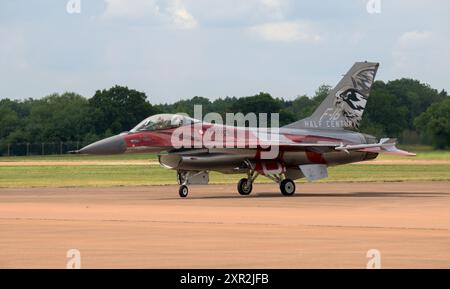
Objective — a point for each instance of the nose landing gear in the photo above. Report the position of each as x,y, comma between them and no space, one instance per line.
182,178
186,178
183,191
244,187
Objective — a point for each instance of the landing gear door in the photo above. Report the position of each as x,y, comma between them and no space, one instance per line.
201,178
314,172
193,178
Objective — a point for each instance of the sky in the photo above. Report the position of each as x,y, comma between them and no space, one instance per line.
177,49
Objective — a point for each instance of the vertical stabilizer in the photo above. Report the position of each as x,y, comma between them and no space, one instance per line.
344,106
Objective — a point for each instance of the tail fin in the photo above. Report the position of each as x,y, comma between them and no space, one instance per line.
344,106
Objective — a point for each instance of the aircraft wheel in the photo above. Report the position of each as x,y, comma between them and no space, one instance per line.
244,187
287,187
183,191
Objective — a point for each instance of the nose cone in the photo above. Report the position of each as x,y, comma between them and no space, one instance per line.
108,146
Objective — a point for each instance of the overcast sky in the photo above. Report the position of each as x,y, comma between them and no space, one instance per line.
175,49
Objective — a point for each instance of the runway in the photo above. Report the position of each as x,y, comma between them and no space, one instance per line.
325,225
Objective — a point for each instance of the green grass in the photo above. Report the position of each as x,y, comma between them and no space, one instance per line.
138,175
84,176
69,157
423,153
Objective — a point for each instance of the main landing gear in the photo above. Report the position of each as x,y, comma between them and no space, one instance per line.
287,187
183,177
245,185
183,191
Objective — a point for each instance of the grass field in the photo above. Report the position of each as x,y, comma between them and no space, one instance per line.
138,174
80,158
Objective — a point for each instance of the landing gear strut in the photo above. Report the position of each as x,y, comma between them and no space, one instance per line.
186,178
182,178
287,186
245,185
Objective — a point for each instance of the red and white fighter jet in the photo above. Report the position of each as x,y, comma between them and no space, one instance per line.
303,149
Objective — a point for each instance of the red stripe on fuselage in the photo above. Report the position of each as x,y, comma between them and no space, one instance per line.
315,157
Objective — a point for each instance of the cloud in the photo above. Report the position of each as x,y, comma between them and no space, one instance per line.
130,9
287,31
180,13
423,55
43,49
238,12
13,46
412,40
273,7
181,16
413,47
167,11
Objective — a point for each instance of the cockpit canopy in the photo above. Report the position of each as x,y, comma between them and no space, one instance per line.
163,121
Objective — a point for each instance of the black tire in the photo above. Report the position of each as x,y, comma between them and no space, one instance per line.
287,187
244,187
183,191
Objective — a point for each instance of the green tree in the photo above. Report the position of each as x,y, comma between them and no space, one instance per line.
303,106
321,93
260,103
57,118
9,119
413,95
385,114
434,124
187,106
399,108
118,109
393,106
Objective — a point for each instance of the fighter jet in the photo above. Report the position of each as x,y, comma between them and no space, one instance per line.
303,149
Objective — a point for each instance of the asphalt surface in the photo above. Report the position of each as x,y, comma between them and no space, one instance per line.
325,225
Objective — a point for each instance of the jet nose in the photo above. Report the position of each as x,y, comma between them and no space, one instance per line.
108,146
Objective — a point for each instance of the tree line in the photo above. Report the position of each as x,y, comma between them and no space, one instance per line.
405,108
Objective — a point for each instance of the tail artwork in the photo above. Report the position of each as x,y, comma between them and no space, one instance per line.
344,106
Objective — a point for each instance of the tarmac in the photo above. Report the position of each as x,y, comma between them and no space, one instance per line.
325,225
